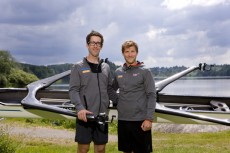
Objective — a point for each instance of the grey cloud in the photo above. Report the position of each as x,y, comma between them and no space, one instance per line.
33,12
43,32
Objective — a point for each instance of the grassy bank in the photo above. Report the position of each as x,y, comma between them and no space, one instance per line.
162,142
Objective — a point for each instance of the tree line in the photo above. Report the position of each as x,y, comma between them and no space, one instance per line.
216,70
11,74
16,74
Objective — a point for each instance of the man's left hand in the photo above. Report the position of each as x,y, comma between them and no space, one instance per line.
146,125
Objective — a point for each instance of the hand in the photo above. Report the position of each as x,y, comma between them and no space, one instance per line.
146,125
81,115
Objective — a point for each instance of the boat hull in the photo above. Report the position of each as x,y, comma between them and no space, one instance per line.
11,107
20,112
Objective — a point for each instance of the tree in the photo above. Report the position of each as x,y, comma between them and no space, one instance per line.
19,78
7,62
10,74
3,81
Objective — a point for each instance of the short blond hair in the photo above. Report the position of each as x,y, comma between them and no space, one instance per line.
127,44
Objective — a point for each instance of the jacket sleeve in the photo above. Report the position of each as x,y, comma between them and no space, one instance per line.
151,94
74,88
113,96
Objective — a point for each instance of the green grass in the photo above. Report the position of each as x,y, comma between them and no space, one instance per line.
217,142
41,147
192,143
44,147
7,145
162,143
59,124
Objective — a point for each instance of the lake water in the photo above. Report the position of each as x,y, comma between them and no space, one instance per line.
201,86
204,87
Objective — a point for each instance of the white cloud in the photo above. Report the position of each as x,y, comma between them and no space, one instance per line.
150,62
170,52
168,33
119,63
177,5
154,32
223,58
111,30
208,2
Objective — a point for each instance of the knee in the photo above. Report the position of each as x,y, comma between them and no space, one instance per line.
82,148
99,148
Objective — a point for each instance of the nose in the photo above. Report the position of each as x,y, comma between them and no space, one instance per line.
130,54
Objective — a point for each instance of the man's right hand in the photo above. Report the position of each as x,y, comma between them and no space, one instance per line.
81,115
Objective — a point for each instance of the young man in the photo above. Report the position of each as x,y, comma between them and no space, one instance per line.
89,85
137,101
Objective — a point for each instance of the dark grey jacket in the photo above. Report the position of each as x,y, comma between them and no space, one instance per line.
92,86
137,94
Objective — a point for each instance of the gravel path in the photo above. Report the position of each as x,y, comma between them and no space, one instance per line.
188,128
44,132
51,133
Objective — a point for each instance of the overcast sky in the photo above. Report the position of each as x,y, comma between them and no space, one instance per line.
168,32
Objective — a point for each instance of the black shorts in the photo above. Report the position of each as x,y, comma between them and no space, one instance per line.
91,131
132,138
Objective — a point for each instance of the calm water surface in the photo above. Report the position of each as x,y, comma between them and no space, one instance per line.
205,87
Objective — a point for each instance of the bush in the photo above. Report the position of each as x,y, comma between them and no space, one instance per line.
3,81
67,124
6,144
19,78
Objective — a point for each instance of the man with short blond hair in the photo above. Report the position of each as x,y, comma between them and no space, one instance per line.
136,104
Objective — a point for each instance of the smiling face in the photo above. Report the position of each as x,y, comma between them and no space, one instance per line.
130,55
94,46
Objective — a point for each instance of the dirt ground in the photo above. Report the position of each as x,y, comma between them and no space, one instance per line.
68,135
44,133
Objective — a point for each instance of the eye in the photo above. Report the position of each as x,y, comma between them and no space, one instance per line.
93,43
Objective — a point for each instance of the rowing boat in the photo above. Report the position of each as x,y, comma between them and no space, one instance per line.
39,101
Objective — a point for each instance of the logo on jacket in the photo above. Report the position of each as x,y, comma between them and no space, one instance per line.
85,70
135,74
120,76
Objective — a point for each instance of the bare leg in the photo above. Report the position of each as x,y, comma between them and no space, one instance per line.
99,148
83,148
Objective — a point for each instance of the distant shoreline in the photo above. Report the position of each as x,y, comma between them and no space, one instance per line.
197,78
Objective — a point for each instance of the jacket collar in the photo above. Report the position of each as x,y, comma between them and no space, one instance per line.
126,67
